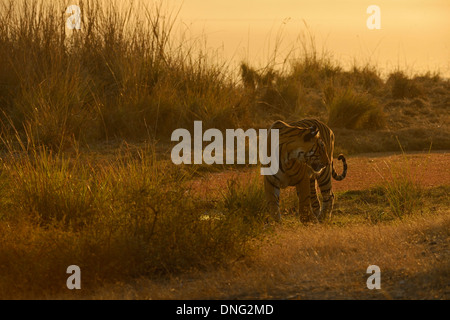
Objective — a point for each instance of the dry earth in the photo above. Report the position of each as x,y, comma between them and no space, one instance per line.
364,171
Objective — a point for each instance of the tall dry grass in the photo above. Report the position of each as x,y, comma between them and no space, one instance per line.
402,188
121,75
131,216
128,75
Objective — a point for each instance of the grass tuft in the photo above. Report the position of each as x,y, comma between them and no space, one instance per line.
352,110
402,188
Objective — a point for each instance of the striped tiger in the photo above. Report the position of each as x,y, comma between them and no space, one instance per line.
305,156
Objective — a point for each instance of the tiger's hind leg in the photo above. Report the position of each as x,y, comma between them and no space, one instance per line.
272,193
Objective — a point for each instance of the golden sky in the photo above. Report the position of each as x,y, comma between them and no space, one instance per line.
414,34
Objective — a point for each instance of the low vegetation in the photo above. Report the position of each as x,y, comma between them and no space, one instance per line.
130,216
403,192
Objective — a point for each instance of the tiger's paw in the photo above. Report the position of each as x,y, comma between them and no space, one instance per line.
306,217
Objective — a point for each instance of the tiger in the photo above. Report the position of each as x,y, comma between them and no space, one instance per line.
305,157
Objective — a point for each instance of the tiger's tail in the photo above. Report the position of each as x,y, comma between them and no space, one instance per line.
344,173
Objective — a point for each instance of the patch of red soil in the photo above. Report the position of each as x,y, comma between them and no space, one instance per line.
364,171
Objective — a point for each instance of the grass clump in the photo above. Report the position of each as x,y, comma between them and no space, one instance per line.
352,110
401,188
403,87
246,200
402,192
50,188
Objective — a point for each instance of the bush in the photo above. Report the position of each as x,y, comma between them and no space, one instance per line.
246,199
353,110
402,189
402,87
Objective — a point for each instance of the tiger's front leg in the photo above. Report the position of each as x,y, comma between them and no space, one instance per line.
327,197
272,193
315,204
304,200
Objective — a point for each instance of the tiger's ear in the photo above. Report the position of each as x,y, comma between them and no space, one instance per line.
313,131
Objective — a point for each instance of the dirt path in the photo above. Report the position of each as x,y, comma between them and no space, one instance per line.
364,171
368,170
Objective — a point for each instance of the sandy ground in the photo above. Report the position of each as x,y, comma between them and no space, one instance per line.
368,170
364,171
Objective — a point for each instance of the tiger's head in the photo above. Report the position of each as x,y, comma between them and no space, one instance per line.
316,158
302,144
